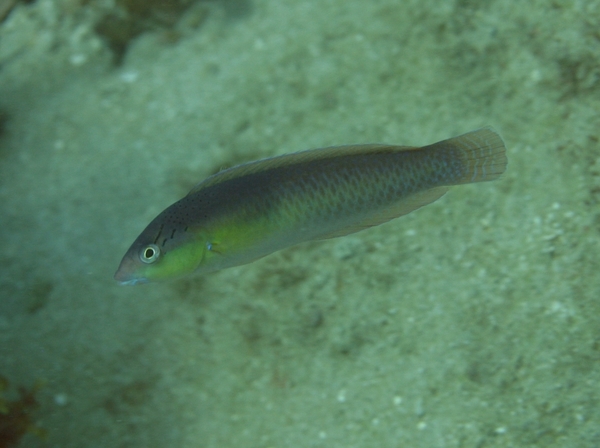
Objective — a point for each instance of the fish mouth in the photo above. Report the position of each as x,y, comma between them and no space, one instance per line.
125,276
128,279
133,281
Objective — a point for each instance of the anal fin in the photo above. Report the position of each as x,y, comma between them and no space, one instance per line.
397,209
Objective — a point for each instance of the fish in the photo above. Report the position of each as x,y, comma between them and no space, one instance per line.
251,210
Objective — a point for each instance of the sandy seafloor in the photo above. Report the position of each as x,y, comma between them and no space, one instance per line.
473,322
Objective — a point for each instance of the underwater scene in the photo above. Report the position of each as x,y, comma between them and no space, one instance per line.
280,303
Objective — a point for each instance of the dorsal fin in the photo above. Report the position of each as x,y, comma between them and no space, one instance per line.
290,159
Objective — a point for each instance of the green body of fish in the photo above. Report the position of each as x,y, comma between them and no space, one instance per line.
249,211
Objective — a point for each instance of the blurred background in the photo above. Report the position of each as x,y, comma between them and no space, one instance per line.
473,322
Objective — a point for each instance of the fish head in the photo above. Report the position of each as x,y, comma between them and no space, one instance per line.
151,258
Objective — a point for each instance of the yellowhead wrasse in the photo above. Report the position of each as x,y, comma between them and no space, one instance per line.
251,210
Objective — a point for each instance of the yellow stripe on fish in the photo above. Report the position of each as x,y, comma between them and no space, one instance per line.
251,210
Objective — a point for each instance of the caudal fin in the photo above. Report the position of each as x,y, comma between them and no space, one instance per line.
482,153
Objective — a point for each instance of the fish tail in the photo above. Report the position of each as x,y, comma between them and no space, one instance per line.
481,153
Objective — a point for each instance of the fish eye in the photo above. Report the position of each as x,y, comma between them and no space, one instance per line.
150,253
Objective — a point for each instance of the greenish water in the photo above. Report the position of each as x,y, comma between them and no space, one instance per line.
473,322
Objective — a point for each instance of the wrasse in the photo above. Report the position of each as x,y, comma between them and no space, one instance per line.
246,212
